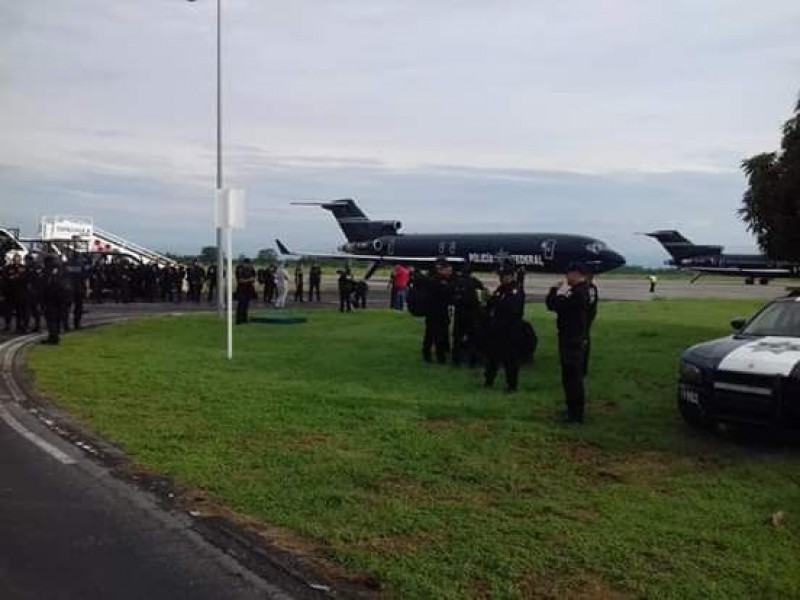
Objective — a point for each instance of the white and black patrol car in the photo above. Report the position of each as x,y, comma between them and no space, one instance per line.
751,377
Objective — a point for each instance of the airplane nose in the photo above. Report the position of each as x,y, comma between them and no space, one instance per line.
612,260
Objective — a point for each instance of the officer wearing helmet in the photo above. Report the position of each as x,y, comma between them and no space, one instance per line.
54,297
570,300
467,290
504,329
439,288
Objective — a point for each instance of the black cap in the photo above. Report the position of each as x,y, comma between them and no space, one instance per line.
441,262
578,267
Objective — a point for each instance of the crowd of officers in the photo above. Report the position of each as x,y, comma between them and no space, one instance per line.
463,321
49,289
468,325
37,286
275,282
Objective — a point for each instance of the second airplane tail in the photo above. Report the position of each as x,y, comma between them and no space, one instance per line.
680,248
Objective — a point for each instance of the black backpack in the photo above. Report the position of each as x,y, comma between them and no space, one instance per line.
417,299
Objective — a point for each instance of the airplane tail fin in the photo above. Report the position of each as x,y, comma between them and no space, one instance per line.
680,248
354,223
282,248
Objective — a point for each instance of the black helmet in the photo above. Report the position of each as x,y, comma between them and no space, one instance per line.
578,267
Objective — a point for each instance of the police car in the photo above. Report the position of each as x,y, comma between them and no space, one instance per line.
751,377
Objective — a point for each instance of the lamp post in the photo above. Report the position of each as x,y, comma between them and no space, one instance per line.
220,267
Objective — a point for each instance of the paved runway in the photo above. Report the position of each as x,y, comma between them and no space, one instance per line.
632,289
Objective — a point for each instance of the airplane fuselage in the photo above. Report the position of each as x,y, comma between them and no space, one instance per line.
535,252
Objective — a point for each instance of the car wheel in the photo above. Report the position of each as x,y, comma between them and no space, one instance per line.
694,416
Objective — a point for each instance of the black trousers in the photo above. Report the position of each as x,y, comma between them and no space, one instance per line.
465,330
53,315
77,308
586,351
572,354
298,293
510,365
20,310
344,300
242,308
245,293
313,287
212,287
34,312
437,338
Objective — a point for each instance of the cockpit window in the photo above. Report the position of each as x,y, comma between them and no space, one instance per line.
595,247
779,319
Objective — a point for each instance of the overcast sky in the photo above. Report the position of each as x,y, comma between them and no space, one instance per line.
586,116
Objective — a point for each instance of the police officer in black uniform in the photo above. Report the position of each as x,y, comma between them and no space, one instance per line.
245,289
269,284
77,274
33,293
594,298
504,333
466,316
211,278
15,290
439,295
298,283
54,297
569,299
314,281
195,277
345,283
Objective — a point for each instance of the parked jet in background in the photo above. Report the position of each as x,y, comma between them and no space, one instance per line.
381,242
711,260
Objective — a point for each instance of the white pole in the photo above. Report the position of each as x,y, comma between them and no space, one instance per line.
229,243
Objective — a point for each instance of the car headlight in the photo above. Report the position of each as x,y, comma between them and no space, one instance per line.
690,373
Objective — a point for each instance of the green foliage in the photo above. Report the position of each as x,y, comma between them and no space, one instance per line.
267,255
208,254
771,203
336,431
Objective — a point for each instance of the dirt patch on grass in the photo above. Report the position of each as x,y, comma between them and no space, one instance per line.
402,544
588,586
436,425
309,440
650,468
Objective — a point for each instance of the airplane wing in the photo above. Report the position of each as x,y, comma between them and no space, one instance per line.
365,257
766,273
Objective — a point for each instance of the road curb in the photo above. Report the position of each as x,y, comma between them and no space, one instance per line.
295,574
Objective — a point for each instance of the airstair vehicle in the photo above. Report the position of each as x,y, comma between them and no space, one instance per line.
60,233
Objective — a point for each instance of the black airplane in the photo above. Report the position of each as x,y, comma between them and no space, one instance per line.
381,242
706,260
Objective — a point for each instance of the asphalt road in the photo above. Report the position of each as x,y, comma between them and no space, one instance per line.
70,529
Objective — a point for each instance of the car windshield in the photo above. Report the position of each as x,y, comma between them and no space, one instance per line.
780,319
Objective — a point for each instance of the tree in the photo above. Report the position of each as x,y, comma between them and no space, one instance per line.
208,254
771,203
267,255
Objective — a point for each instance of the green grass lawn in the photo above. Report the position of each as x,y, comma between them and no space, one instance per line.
336,431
